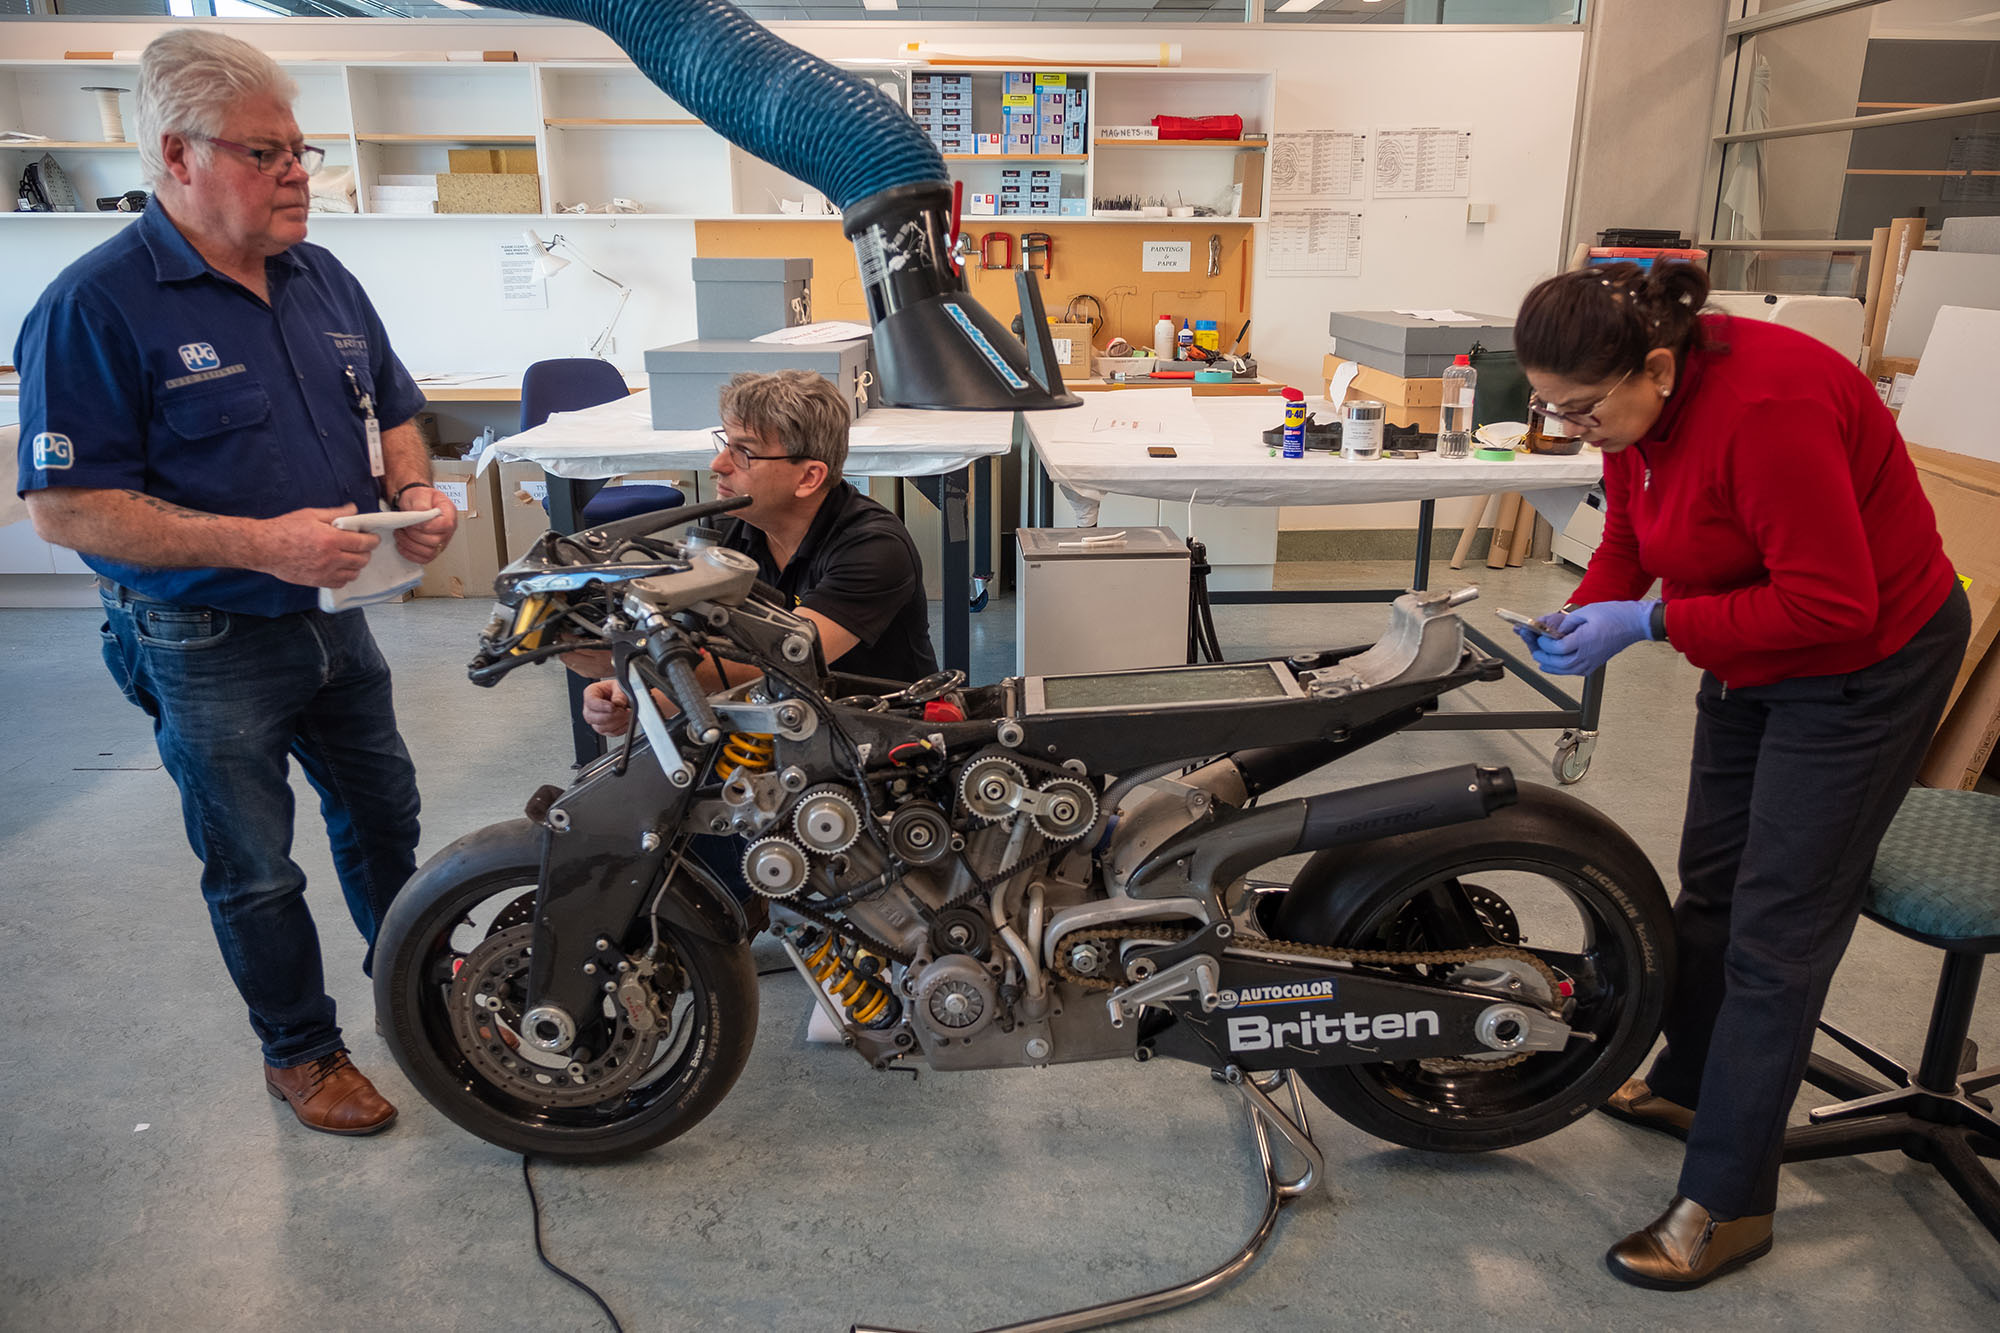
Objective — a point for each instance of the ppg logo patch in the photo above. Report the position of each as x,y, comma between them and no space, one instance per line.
53,452
199,356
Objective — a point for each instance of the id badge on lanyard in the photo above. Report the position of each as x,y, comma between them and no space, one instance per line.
369,425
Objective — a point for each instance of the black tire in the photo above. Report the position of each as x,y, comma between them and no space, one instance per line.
1522,868
433,928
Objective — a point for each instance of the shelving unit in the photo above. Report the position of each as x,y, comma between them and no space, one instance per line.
602,130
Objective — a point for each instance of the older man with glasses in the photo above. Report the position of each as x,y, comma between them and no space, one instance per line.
201,397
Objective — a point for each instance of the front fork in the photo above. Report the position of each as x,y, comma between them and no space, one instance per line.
605,848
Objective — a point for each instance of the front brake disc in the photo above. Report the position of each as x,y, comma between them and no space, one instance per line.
485,1009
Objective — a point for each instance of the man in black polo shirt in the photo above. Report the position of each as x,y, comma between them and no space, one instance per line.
846,563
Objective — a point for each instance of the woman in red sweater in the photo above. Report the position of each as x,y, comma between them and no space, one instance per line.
1754,473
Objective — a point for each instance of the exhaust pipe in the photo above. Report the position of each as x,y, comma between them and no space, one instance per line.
1218,854
935,347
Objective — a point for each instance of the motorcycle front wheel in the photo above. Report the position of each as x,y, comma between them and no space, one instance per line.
1550,875
450,975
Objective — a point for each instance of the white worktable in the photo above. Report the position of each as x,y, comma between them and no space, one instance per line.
615,438
1100,448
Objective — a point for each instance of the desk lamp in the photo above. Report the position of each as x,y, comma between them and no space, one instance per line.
548,263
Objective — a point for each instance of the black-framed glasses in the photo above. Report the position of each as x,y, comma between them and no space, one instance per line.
741,457
1585,420
274,161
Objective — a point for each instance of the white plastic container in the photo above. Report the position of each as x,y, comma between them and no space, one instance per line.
1163,339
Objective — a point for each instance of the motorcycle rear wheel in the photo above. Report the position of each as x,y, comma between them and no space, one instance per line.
1551,875
475,922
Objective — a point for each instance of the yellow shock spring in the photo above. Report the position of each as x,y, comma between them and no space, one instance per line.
746,750
864,998
531,611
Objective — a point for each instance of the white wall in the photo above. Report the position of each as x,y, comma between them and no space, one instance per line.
434,281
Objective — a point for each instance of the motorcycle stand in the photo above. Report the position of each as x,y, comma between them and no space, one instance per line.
1259,1092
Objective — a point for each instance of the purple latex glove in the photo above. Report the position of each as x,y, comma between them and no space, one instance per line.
1592,635
1550,625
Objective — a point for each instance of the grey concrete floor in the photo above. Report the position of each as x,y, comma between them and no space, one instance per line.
146,1181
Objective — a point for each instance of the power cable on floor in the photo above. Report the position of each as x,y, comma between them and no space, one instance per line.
535,1206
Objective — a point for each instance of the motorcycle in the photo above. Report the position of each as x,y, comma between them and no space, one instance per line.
1048,869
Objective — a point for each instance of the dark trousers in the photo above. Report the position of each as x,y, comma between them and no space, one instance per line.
1792,788
234,699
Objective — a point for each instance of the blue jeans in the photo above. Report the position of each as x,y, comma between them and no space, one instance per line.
231,697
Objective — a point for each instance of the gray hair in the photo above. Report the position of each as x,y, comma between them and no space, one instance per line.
188,80
798,409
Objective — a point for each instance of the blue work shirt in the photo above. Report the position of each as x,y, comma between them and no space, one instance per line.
144,369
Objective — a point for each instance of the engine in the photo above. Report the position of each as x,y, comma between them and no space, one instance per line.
921,900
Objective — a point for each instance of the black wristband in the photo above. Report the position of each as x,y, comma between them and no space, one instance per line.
1656,623
396,500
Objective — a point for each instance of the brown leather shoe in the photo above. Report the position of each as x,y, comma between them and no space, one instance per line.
1636,1104
330,1095
1685,1247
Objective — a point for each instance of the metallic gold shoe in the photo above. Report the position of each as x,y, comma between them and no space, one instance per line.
1636,1104
1685,1247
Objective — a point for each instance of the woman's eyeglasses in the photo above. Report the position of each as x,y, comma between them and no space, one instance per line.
741,457
275,161
1585,420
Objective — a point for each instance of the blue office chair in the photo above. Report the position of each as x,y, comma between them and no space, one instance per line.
570,384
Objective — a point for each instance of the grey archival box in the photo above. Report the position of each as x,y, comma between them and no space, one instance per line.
743,298
687,378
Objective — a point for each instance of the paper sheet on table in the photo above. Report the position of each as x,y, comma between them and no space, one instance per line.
1438,316
825,331
1127,421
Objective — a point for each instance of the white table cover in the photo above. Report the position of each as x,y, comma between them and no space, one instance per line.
1094,451
614,438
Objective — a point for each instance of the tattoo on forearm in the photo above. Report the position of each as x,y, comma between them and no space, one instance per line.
170,509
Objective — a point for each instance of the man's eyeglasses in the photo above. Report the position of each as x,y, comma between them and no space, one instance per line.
275,161
741,457
1585,420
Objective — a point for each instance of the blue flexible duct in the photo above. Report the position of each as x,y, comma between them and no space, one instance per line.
831,129
934,346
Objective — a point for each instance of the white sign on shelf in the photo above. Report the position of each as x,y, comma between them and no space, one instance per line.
520,289
1427,161
1166,256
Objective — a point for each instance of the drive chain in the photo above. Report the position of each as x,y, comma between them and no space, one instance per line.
1325,953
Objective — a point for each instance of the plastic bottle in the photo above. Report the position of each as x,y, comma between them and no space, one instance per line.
1295,422
1207,338
1184,343
1455,412
1163,339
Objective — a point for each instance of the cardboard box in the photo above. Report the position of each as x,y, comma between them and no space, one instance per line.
1072,348
524,493
468,566
1409,402
489,192
1965,495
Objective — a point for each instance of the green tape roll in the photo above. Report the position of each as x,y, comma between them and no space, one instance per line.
1494,455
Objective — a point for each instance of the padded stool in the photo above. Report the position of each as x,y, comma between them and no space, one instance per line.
1936,879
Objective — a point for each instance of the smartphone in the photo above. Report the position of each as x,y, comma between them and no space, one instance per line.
1515,617
1160,451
